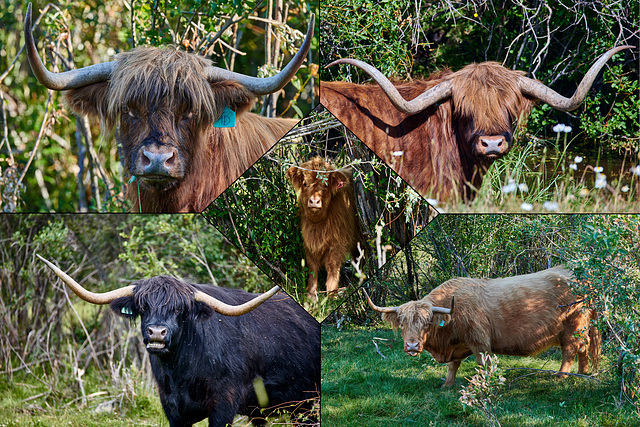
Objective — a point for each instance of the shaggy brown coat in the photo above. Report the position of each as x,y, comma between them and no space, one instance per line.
328,218
159,99
516,316
438,151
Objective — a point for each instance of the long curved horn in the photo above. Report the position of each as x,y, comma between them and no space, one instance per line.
264,86
420,103
91,297
379,309
234,310
538,90
443,310
66,80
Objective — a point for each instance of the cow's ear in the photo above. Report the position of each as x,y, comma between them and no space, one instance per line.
296,177
340,178
391,318
233,95
124,307
440,320
203,310
89,100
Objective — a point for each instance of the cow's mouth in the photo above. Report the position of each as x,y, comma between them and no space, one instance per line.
156,180
413,353
156,346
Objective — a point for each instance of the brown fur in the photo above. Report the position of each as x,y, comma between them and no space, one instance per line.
441,154
329,233
159,97
517,316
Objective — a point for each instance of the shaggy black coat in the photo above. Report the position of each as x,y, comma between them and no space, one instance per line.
209,363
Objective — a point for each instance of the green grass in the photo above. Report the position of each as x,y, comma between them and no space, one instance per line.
360,388
60,406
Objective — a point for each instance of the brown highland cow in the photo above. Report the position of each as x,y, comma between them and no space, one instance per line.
167,108
442,134
517,316
328,218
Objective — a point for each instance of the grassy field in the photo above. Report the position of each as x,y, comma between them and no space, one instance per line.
360,388
27,401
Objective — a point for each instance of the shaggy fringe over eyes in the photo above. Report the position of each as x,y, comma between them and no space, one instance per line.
164,293
483,91
152,76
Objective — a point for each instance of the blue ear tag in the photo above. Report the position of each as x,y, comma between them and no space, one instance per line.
441,323
227,119
126,310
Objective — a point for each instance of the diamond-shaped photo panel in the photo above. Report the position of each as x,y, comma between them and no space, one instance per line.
319,213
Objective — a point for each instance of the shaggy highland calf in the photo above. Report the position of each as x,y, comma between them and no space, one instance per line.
166,107
206,354
515,316
328,218
455,125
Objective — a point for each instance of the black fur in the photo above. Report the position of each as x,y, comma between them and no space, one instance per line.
210,361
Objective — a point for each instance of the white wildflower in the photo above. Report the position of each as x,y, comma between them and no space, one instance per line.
573,166
526,206
550,206
510,187
559,128
523,187
567,129
636,170
577,159
598,169
625,189
601,180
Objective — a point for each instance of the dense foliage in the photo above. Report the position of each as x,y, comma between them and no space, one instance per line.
52,160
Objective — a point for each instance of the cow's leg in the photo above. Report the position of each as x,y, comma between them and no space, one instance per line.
450,380
568,355
312,282
222,416
333,275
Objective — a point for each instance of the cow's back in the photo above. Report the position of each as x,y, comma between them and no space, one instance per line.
421,148
519,315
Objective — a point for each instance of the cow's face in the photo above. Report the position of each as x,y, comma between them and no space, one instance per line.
416,320
165,306
162,109
315,188
487,104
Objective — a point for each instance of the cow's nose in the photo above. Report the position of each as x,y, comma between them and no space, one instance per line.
413,346
157,333
315,202
493,145
158,162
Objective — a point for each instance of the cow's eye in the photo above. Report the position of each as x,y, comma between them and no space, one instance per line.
189,116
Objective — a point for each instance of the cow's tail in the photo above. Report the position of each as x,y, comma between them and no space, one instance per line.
595,340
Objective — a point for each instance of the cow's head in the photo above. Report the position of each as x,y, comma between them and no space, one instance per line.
164,305
160,101
487,100
415,319
315,183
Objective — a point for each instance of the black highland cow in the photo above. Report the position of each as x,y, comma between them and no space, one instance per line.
206,354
